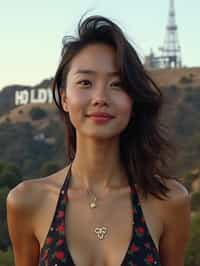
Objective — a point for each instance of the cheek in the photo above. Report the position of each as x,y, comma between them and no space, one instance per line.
76,102
124,103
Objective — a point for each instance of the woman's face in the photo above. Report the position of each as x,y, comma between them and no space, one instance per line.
93,85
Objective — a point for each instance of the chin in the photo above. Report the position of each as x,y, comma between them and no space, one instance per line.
100,135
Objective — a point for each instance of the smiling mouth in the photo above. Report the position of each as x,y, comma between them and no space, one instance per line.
101,114
100,119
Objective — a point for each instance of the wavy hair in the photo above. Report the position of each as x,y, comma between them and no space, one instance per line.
145,147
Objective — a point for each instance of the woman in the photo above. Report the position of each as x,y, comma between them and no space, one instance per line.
113,204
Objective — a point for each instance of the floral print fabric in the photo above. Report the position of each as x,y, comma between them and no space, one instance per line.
141,250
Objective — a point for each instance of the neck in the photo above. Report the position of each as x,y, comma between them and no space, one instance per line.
97,166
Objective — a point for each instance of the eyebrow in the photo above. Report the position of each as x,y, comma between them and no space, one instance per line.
88,71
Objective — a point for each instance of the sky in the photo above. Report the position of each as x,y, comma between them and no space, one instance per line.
31,32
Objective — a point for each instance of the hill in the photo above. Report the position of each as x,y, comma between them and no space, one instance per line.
39,132
180,77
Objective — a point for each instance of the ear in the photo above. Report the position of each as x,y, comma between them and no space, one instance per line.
64,100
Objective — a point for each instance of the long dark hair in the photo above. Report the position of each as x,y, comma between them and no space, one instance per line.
145,148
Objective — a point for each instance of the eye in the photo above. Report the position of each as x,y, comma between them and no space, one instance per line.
117,84
84,83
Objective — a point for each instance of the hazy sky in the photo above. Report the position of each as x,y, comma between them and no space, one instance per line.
31,31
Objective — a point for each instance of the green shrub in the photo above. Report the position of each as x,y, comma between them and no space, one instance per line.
195,201
49,168
6,258
38,113
193,248
10,174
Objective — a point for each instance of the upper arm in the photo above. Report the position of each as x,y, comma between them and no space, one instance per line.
20,216
176,232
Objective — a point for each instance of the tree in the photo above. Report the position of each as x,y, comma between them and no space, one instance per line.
4,239
49,168
193,249
10,174
6,258
195,201
38,113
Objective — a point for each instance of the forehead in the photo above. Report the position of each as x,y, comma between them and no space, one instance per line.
99,58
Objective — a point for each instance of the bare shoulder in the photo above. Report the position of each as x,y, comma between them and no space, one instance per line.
177,200
25,196
23,203
178,194
176,220
29,194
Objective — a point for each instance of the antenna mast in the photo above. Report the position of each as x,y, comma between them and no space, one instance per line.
171,50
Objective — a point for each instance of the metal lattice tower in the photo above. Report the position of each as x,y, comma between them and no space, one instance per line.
171,50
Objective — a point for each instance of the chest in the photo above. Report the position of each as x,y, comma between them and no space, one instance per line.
116,214
84,244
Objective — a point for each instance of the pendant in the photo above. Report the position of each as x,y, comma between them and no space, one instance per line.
101,232
93,205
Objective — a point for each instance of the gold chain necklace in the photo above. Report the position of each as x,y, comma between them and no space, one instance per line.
102,230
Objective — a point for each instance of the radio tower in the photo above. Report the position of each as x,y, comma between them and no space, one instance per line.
171,50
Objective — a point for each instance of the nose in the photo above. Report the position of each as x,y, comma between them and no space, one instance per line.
100,95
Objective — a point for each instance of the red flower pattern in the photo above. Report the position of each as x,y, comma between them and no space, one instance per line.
149,259
134,248
61,214
60,242
59,255
49,240
140,230
61,228
141,252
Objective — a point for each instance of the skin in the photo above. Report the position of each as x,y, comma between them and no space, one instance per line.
31,204
92,92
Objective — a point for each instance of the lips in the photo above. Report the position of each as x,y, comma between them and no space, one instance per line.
101,114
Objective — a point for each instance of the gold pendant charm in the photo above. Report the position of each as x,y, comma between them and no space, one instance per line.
93,205
101,232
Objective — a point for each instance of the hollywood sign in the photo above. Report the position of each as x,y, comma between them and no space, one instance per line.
33,96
